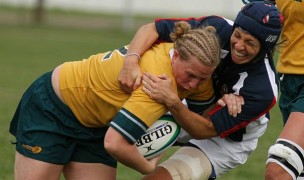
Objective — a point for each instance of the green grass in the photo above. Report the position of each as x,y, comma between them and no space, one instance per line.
27,51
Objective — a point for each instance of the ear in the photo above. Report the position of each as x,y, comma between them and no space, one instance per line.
176,55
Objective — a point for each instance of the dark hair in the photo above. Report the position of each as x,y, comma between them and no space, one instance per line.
263,21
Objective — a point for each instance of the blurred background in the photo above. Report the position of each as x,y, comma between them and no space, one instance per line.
38,35
125,8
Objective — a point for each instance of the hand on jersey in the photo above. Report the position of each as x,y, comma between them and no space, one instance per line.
233,102
130,75
159,88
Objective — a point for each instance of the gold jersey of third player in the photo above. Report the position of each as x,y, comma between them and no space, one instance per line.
91,89
291,60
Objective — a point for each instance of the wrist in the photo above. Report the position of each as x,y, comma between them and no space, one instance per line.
147,169
133,55
172,100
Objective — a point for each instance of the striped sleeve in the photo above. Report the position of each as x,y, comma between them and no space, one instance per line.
128,125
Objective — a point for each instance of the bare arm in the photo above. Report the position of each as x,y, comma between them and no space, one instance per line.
160,90
199,127
130,74
126,153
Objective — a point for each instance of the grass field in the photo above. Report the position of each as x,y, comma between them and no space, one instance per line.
27,51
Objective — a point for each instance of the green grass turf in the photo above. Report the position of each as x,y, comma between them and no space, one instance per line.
27,51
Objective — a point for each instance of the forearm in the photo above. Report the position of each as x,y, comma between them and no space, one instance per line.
160,90
130,75
124,152
129,156
196,125
143,39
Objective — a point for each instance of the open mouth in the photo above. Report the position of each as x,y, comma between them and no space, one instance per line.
239,54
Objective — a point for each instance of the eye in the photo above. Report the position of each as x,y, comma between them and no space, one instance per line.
236,34
251,43
203,80
190,75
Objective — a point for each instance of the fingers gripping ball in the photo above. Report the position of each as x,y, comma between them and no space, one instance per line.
159,137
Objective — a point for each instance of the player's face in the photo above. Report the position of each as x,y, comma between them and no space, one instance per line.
189,73
244,47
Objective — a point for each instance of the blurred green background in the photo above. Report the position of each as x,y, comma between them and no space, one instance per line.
28,49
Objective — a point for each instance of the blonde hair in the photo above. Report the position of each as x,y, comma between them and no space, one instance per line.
202,43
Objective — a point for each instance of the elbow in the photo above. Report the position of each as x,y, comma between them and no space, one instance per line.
204,135
110,146
205,131
199,136
151,29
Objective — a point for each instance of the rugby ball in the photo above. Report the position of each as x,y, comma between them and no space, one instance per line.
159,137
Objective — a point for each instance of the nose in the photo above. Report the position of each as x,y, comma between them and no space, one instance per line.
194,83
239,45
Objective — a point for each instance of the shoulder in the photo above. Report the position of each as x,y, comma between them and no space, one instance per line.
262,79
223,28
157,59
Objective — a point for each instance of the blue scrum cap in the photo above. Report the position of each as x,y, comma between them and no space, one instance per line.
263,21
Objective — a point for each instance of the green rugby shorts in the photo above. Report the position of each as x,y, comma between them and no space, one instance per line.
292,94
46,129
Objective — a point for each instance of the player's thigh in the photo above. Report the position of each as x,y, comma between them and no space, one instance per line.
32,169
294,128
92,171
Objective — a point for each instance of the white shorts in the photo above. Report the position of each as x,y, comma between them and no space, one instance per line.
223,153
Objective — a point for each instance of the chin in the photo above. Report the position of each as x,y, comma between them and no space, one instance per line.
238,60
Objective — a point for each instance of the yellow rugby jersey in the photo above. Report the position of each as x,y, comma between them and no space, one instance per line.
91,89
291,58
